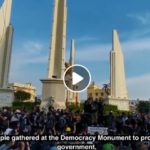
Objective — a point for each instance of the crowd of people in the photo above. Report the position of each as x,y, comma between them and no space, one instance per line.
69,122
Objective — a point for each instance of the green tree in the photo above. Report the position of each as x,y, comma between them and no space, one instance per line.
74,107
22,95
108,108
143,106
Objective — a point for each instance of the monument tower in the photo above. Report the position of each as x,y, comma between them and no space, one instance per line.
53,86
6,34
117,78
72,53
72,97
118,95
58,41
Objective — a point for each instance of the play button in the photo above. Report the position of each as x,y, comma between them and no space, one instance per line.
77,78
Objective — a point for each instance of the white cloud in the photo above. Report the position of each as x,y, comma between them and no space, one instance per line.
137,45
139,87
36,53
33,46
93,52
143,18
100,52
30,52
86,39
27,54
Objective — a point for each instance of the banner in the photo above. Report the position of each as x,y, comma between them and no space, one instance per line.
99,130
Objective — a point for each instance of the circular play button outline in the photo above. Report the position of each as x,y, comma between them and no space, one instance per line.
88,72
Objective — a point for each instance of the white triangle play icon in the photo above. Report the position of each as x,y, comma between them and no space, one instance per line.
76,78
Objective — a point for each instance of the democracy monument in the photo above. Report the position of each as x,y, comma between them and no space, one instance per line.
53,86
118,93
115,93
53,89
6,36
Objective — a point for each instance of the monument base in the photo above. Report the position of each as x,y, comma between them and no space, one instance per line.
53,89
6,97
122,104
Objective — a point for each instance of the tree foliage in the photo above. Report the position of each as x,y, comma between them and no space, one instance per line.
25,105
143,106
108,108
75,107
22,95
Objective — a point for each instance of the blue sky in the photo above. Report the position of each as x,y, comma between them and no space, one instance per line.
90,23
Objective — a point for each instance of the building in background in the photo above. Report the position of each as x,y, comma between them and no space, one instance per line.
97,92
27,87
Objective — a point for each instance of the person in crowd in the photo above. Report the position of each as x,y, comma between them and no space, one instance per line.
69,122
